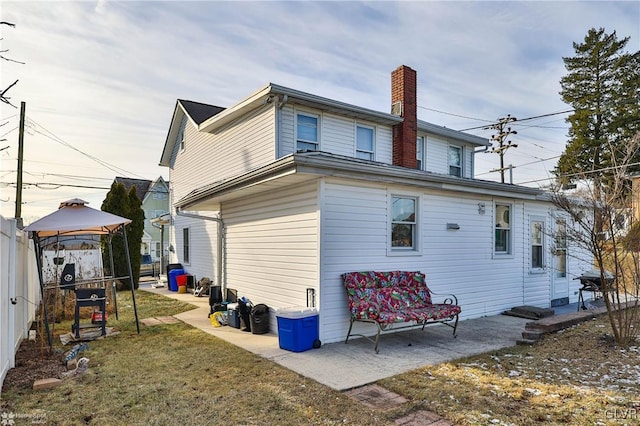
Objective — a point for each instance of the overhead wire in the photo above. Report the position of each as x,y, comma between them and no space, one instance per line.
50,135
522,119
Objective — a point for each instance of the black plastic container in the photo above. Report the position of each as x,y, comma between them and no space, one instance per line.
260,319
244,307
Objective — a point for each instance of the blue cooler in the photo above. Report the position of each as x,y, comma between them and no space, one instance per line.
173,282
297,328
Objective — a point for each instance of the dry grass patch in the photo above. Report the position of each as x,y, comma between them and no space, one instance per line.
574,377
175,374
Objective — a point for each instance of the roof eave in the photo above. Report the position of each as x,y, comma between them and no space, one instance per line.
452,134
169,143
324,164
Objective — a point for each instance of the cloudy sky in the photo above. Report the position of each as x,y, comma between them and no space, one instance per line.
100,79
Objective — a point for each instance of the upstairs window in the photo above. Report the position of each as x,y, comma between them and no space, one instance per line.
403,223
420,150
364,142
181,133
307,132
157,195
502,241
455,161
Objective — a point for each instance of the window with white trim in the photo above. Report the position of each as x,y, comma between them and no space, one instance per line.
186,243
420,151
157,195
158,249
455,160
404,225
561,248
502,239
537,244
364,142
181,133
306,132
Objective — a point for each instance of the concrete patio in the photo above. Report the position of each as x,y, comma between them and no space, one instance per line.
346,366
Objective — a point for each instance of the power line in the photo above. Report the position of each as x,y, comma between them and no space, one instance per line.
523,119
45,185
588,172
59,140
455,115
539,160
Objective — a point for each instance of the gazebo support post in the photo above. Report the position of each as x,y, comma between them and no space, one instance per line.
113,273
133,293
38,254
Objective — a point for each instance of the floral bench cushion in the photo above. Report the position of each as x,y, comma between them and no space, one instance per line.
391,297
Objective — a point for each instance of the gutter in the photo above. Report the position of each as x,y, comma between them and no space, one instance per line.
220,243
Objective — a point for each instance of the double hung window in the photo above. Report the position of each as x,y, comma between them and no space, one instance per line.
502,239
537,244
186,243
364,142
404,223
561,248
420,150
307,132
455,161
181,139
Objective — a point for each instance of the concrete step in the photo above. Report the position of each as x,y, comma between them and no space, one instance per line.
532,335
525,342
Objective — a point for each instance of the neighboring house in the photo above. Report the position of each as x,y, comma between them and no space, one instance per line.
155,203
286,190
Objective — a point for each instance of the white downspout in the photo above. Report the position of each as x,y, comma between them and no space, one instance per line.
220,243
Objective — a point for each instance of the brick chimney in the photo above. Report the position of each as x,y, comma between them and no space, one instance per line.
404,103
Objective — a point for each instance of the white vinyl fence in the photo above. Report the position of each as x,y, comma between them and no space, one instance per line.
19,291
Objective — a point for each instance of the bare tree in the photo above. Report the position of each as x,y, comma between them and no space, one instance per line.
3,94
607,225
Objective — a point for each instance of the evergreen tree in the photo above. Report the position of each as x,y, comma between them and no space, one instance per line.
135,230
603,87
126,205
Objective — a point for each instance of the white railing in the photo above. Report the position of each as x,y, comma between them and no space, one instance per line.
19,291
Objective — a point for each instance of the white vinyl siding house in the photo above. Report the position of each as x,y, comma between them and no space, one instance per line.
295,221
273,244
439,156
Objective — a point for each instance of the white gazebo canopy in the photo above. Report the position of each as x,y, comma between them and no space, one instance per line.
73,217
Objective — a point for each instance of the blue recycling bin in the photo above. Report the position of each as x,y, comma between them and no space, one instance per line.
173,282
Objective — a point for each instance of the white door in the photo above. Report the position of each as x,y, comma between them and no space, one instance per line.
559,275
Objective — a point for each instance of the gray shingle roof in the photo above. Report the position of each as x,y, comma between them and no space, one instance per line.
199,112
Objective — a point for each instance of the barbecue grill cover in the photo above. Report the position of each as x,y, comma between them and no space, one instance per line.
68,276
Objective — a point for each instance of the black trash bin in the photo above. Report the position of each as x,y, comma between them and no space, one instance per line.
260,319
215,298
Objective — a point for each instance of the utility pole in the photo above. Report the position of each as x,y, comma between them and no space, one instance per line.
18,214
503,132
